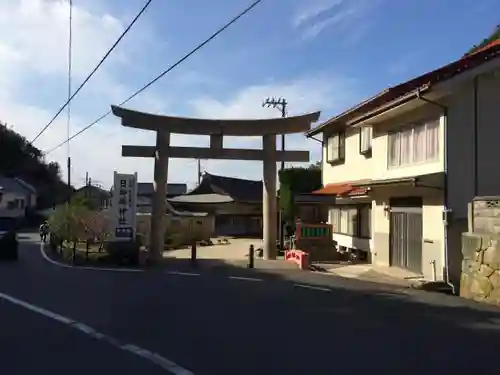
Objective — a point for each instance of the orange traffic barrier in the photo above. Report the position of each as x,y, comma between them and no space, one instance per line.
299,257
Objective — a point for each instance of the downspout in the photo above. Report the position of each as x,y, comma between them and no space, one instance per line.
322,157
445,191
475,142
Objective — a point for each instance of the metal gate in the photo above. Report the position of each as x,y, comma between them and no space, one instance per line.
406,237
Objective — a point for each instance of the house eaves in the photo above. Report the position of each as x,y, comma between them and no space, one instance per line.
409,90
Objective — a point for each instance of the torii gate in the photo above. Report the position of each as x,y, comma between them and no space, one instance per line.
216,129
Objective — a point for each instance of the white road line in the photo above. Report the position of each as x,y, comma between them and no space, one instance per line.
312,287
36,309
183,273
59,264
155,358
244,278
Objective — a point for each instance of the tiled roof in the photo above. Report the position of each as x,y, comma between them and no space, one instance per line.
423,82
202,198
489,45
237,188
15,185
341,189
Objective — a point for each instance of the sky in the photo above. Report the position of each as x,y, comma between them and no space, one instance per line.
321,55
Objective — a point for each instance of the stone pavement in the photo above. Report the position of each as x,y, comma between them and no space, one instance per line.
236,249
369,272
236,254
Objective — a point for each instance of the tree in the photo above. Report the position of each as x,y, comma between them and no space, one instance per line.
68,222
492,37
316,165
76,222
295,181
19,158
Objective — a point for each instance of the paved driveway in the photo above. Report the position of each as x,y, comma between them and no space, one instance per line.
211,324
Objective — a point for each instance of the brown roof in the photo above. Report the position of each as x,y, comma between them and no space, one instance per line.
237,188
341,189
423,82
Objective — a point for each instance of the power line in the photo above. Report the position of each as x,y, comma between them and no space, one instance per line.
70,66
152,82
95,69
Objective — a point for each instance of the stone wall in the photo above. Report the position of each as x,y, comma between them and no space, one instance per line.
481,267
480,278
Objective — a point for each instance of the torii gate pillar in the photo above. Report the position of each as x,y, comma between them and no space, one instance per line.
157,227
269,197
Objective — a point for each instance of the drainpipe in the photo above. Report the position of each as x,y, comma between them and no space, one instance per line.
475,142
445,192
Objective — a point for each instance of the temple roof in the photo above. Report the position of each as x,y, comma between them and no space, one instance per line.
237,188
202,199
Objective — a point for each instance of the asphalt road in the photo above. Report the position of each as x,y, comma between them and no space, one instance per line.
211,324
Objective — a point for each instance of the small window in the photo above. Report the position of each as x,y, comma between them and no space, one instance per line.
365,140
335,148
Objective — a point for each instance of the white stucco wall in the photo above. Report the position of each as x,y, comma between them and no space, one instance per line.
358,167
465,109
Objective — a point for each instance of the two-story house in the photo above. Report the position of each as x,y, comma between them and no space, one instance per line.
404,164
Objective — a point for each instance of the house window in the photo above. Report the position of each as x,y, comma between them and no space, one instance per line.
415,144
335,148
352,220
365,140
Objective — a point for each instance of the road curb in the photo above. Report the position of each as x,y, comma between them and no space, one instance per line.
86,268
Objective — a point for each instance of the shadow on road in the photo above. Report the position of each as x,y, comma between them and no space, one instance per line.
213,324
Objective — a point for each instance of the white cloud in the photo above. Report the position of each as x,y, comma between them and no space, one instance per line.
37,29
33,47
313,8
303,95
348,17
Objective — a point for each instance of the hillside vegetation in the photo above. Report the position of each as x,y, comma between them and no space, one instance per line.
492,37
18,158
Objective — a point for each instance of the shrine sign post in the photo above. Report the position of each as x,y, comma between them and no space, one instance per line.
268,129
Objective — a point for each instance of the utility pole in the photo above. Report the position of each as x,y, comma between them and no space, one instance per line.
281,105
87,183
199,171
